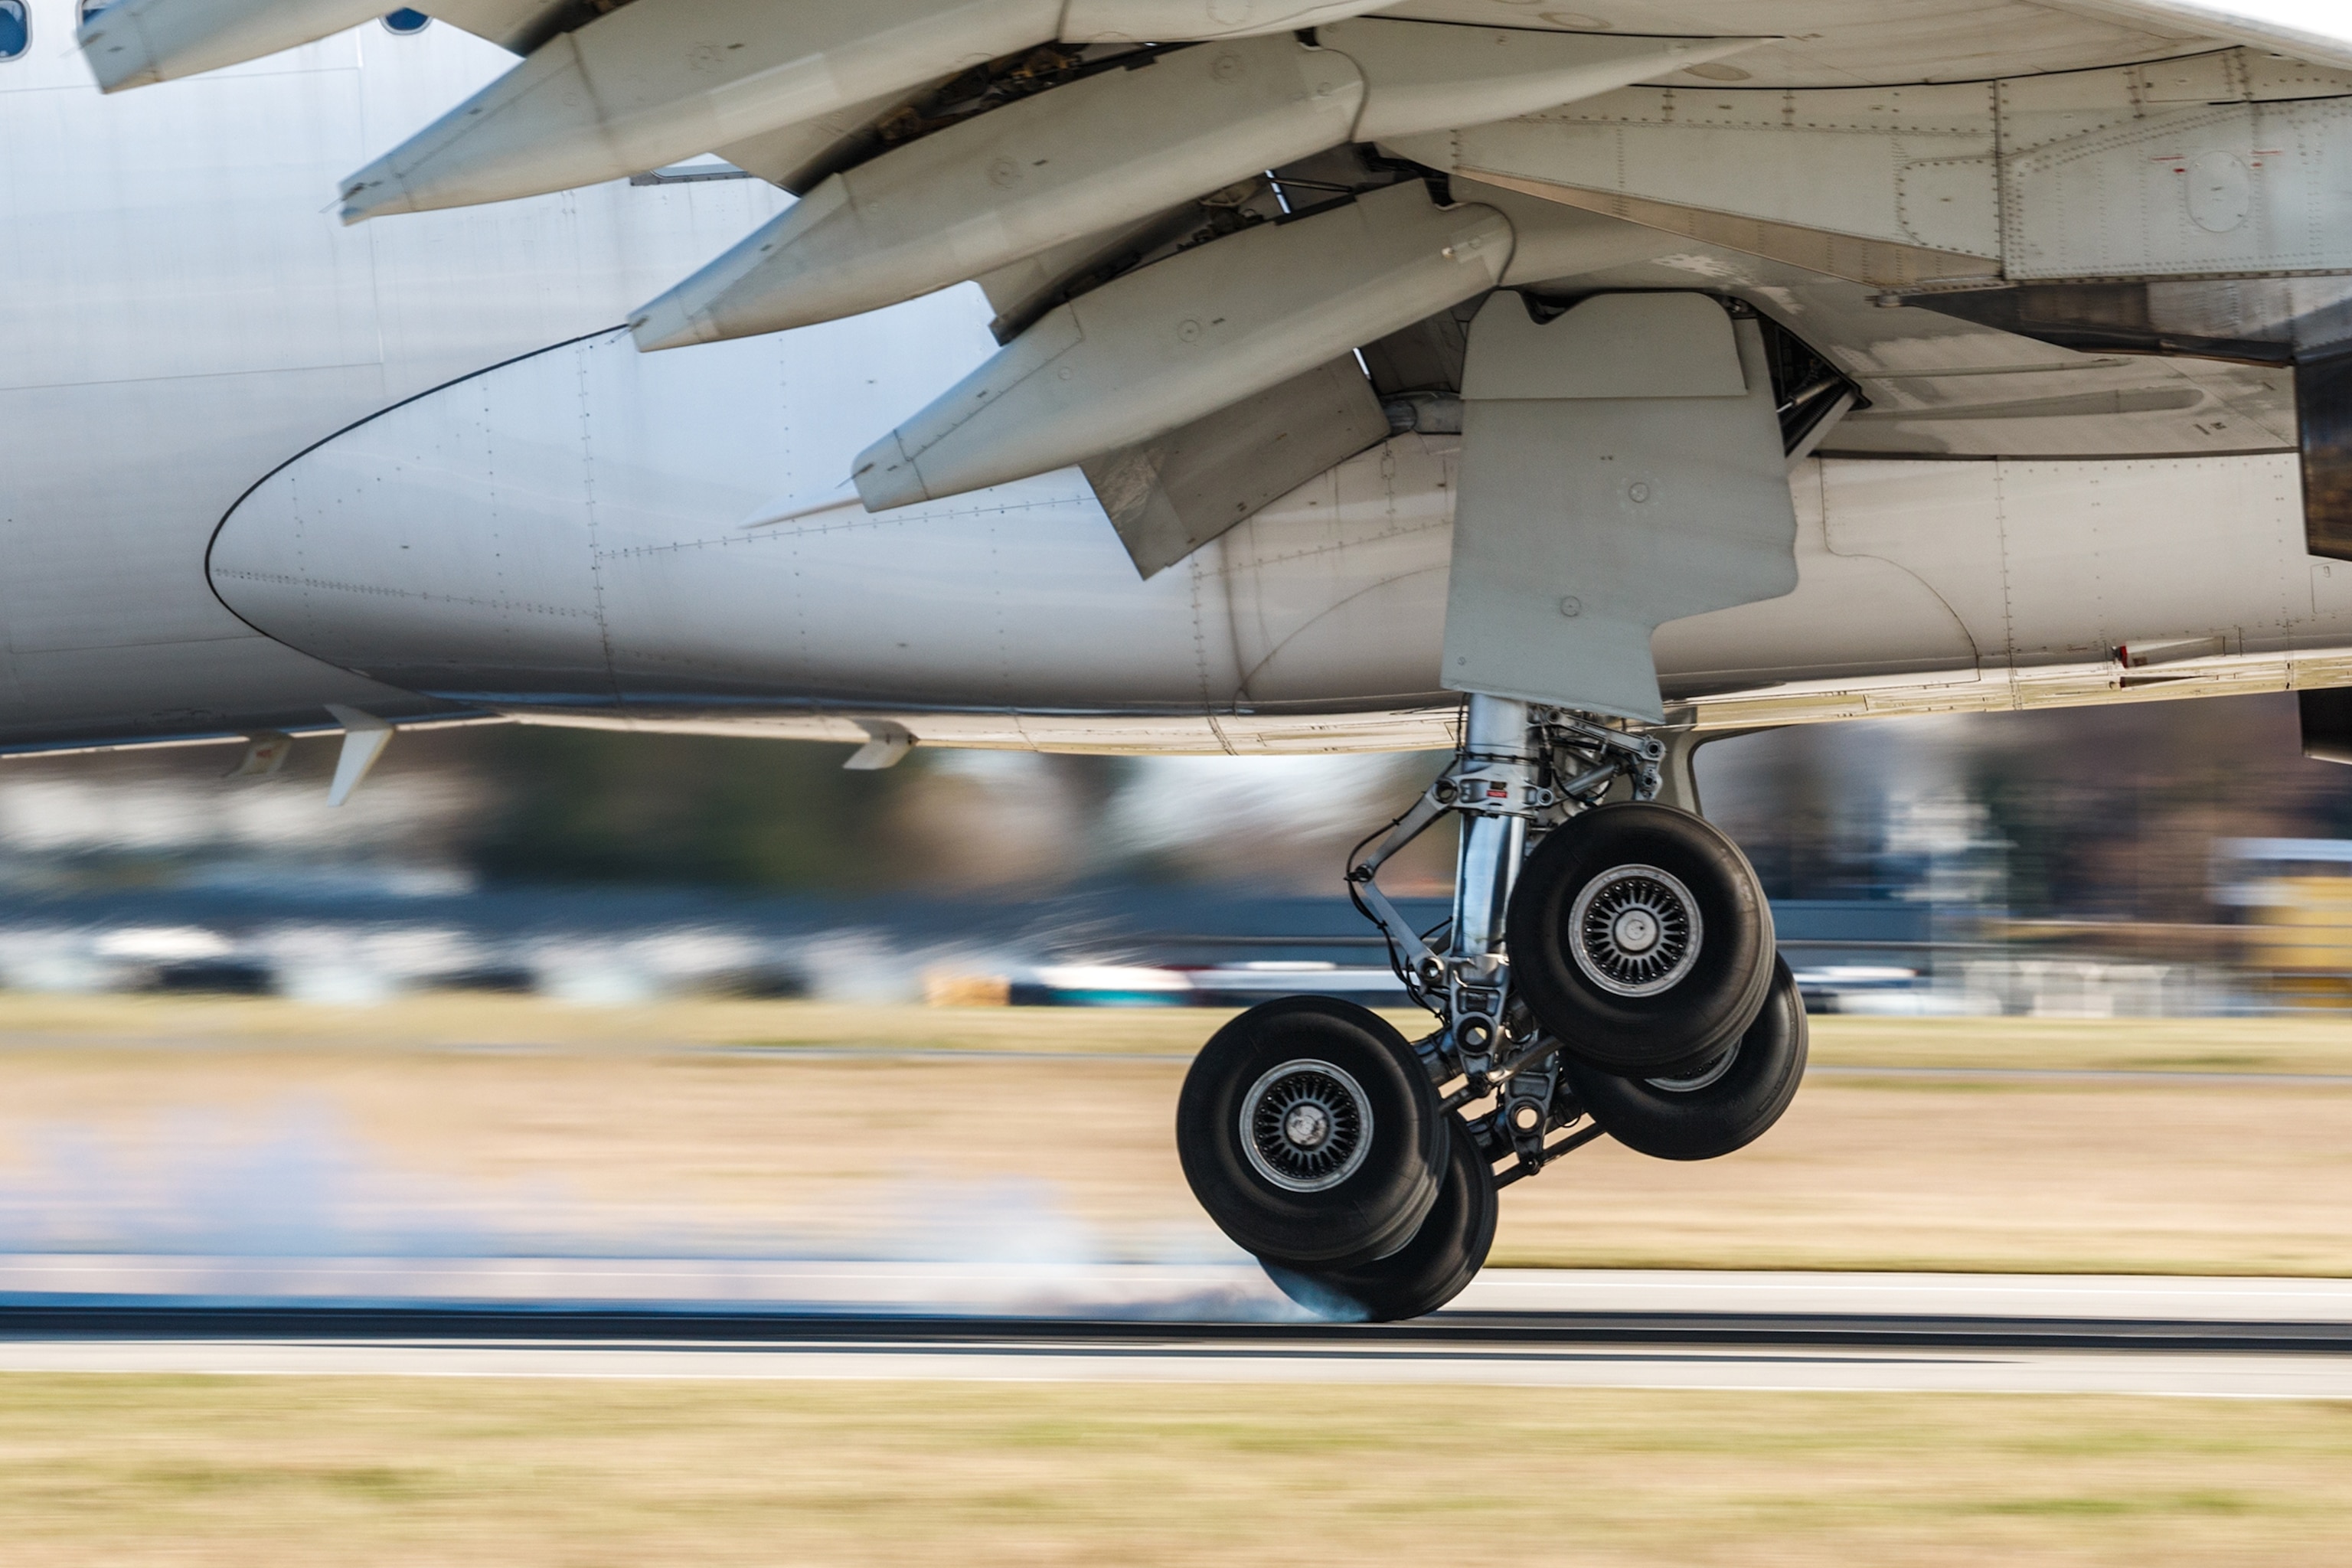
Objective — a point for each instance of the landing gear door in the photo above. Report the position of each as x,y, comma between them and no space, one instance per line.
2323,401
1622,465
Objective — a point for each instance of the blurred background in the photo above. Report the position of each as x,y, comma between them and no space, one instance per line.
2158,859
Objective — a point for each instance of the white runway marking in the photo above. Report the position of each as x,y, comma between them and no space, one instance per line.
2183,1298
1210,1290
2241,1376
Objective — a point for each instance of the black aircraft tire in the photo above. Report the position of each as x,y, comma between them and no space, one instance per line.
1688,999
1360,1192
1709,1114
1444,1255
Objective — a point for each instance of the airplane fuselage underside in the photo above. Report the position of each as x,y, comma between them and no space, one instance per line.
565,536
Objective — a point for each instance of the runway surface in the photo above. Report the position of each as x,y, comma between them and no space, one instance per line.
1213,1321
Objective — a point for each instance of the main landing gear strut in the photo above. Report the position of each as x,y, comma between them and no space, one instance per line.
1610,968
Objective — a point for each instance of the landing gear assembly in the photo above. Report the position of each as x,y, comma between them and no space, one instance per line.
1610,969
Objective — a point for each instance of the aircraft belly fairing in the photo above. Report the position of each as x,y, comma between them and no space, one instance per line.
565,536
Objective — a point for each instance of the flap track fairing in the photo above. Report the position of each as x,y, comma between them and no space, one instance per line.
659,80
1168,343
1120,145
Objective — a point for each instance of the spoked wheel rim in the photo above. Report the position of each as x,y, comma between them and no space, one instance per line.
1636,930
1653,996
1306,1125
1705,1075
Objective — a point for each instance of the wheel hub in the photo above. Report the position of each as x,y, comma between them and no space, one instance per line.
1635,931
1703,1075
1306,1125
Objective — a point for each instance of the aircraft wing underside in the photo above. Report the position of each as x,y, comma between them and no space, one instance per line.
1230,245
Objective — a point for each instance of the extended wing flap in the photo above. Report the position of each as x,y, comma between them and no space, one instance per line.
1169,496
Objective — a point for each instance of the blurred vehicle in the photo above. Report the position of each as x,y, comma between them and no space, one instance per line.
2297,894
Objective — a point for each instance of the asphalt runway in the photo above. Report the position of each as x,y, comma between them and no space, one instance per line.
2269,1339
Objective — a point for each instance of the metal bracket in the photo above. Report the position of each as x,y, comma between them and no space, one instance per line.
364,738
266,752
1418,964
1569,1145
1600,756
886,745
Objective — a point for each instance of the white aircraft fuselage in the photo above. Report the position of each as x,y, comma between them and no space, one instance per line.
257,463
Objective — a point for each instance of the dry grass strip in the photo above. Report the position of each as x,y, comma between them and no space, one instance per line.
866,1150
2307,1043
129,1471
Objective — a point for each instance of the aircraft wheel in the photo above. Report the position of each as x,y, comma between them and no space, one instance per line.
1717,1107
1640,936
1309,1131
1444,1255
